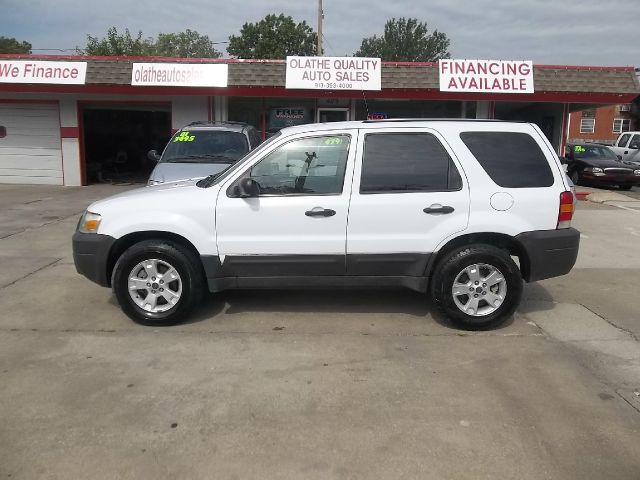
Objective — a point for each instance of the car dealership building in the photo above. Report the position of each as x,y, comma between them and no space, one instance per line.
76,120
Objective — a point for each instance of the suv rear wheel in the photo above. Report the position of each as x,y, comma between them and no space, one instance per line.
157,283
477,286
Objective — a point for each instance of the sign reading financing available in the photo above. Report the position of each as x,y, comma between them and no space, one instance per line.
334,73
180,74
21,71
489,76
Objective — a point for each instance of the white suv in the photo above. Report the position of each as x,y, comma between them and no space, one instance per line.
441,206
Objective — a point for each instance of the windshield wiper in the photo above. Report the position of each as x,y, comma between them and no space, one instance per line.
206,182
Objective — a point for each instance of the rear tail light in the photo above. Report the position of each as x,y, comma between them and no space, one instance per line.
566,210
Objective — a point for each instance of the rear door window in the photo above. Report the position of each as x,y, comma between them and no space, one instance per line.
406,162
624,139
511,159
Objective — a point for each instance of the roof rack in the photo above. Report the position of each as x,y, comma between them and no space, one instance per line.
214,122
406,120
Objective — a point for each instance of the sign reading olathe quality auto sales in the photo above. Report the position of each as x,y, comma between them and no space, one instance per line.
28,71
180,74
334,73
488,76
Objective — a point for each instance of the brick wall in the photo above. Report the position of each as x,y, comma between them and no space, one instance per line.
604,118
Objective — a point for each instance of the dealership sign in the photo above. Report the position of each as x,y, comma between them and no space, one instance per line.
487,76
334,73
180,74
21,71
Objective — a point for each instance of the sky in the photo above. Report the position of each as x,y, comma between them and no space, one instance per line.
567,32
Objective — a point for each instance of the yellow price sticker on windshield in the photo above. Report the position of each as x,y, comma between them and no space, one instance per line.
184,137
579,149
333,141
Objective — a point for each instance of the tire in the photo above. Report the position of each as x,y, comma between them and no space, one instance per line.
575,177
625,187
158,303
458,265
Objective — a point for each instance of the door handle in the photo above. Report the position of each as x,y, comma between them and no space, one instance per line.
437,208
320,212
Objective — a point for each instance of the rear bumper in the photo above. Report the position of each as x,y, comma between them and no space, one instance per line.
550,253
91,254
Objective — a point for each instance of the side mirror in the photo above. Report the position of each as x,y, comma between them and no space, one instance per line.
564,160
619,157
246,188
153,156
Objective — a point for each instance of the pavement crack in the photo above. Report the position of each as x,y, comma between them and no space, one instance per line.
31,273
631,404
270,332
47,223
622,329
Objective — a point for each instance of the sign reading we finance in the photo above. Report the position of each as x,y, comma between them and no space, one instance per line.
33,71
334,73
487,76
180,74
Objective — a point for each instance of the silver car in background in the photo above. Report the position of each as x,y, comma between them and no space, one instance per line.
200,149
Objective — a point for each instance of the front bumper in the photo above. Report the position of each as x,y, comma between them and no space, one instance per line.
611,179
91,255
550,253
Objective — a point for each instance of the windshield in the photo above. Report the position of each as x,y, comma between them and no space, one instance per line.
228,171
593,151
205,146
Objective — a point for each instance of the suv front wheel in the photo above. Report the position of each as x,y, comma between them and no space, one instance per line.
477,286
157,283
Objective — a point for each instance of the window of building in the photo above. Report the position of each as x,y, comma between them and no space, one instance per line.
591,113
511,159
587,125
307,166
625,108
621,125
407,162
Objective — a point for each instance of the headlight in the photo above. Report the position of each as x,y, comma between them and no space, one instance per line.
636,172
594,170
89,222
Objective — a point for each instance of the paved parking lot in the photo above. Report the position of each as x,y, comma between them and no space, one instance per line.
297,384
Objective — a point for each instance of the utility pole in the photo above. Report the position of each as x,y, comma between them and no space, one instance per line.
319,51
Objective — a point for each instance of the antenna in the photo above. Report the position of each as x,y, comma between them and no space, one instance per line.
366,105
319,50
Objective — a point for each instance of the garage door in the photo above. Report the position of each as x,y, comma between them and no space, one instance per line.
30,151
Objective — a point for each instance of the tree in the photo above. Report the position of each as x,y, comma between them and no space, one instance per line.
116,44
273,37
406,40
11,45
187,44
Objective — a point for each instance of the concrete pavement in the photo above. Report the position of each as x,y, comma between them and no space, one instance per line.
329,384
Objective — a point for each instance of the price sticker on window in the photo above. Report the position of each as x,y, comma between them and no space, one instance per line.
333,141
579,149
184,137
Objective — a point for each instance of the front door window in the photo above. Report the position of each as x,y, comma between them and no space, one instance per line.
307,166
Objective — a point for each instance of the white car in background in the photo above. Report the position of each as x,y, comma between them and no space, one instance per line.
202,148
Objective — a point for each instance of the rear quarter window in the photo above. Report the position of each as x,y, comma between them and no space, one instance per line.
511,159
